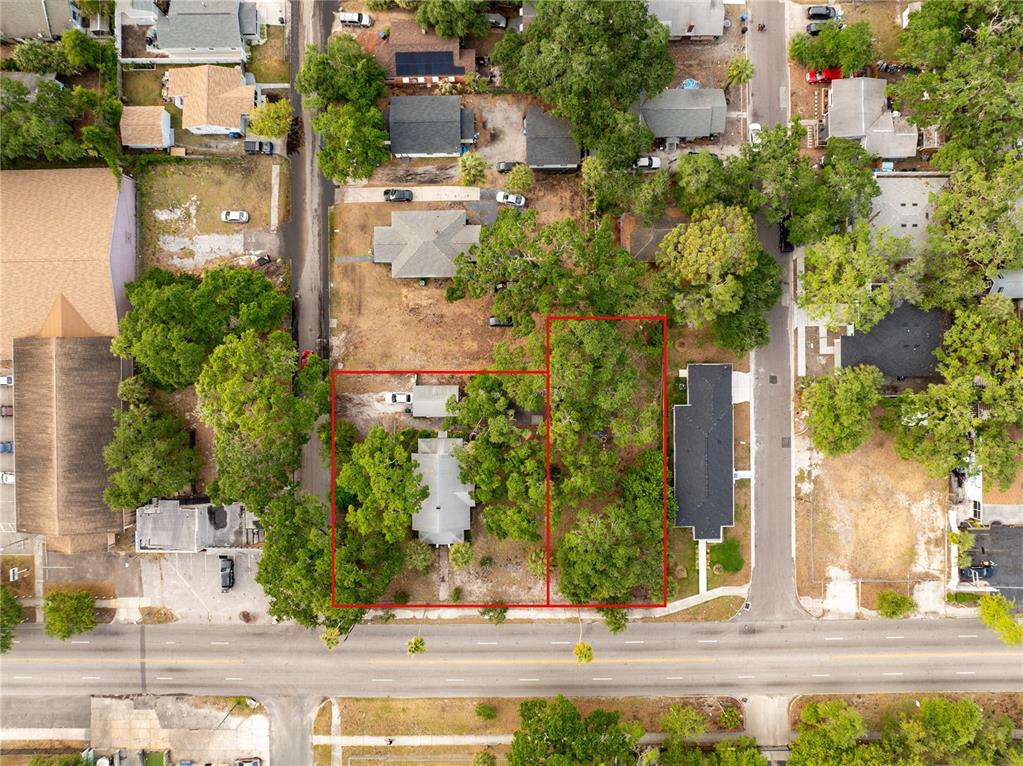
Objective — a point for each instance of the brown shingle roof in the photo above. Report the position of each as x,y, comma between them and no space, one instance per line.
66,393
56,227
213,95
408,37
142,125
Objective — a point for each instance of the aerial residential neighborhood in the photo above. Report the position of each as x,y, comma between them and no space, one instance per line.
520,382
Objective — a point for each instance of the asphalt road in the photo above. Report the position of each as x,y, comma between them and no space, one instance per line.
769,89
305,236
516,660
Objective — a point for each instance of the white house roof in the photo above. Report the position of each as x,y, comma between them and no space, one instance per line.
443,517
859,111
432,401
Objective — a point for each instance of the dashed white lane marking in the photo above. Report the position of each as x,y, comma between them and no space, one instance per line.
219,643
603,678
381,680
561,643
21,678
892,638
529,679
90,678
635,642
834,638
893,673
707,641
79,642
673,678
486,643
745,676
967,635
170,642
820,675
966,672
454,680
232,678
164,678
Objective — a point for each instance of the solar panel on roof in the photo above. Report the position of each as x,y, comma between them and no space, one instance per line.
420,63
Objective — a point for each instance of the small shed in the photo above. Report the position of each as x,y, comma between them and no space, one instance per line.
146,127
432,401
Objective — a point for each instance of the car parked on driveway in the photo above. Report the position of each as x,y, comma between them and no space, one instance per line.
500,321
648,163
351,19
515,200
497,21
6,410
821,12
506,167
824,75
259,147
754,133
234,216
226,573
7,477
814,28
6,447
399,397
6,380
397,195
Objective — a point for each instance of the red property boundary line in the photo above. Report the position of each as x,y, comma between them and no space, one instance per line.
546,373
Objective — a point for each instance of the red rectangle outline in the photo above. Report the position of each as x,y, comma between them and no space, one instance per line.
546,373
664,455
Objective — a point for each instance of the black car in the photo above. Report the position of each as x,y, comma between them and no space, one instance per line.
226,573
259,147
500,321
397,195
821,12
784,245
504,167
814,28
985,570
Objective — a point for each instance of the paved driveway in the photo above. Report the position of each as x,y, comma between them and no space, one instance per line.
419,194
189,585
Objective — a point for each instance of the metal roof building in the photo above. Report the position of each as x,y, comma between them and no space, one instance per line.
687,19
703,453
443,517
859,111
432,401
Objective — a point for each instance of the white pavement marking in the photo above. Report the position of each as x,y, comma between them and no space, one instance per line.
90,678
894,673
745,676
820,675
164,678
834,638
381,680
966,672
603,678
673,678
233,678
79,642
486,643
967,635
170,642
529,679
219,643
891,638
559,643
707,641
22,678
635,642
454,680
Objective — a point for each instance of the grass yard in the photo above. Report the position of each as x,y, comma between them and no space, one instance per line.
885,18
269,61
322,755
716,610
417,756
733,554
142,87
876,708
683,579
321,724
98,588
24,586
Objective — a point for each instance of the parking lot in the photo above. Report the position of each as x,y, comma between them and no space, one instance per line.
188,584
1001,545
6,459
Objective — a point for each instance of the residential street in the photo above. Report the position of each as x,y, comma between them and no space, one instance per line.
769,89
305,236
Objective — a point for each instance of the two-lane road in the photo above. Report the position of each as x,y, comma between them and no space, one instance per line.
516,660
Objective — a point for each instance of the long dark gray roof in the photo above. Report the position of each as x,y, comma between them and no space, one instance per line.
703,459
900,345
680,113
428,125
200,26
549,141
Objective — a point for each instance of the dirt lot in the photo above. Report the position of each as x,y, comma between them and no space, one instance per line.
454,716
181,205
875,708
869,515
706,61
269,61
385,323
885,17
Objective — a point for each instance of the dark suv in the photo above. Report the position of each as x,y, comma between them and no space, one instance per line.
820,12
397,195
259,147
226,573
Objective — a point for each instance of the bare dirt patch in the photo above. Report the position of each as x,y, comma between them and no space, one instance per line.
687,345
706,61
556,196
156,615
98,588
885,17
871,516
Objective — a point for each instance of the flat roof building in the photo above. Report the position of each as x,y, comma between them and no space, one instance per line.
432,401
171,527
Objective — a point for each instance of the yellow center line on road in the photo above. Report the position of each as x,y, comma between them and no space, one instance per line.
123,660
914,655
547,661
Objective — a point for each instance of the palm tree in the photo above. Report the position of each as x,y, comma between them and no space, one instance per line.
739,71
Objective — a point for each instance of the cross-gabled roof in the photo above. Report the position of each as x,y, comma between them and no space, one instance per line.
420,244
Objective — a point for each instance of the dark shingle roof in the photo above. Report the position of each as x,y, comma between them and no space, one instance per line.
900,345
679,113
425,125
703,453
549,141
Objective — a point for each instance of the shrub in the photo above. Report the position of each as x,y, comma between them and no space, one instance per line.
962,597
728,555
10,615
483,758
536,563
519,180
964,543
892,604
473,168
460,555
401,597
68,613
416,645
615,620
456,595
487,561
496,614
272,119
419,555
730,718
486,712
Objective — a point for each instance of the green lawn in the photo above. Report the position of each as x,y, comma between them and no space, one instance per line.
269,61
142,87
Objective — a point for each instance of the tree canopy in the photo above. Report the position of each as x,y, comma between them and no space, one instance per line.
554,732
839,407
39,128
67,613
849,46
10,616
453,18
353,139
272,119
177,319
344,73
590,61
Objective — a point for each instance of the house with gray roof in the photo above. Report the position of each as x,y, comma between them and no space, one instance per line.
432,401
443,517
675,115
703,456
858,109
904,205
429,126
168,526
186,31
37,19
690,19
424,243
549,142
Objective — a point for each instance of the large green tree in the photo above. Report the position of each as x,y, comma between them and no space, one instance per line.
177,319
977,232
10,616
590,61
555,733
828,732
839,407
967,61
42,58
850,277
747,328
151,455
453,18
705,260
353,139
344,73
849,46
784,176
39,128
384,484
996,612
259,424
66,613
701,179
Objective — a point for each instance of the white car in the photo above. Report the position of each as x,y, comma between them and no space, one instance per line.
234,216
516,200
355,19
648,163
400,398
7,477
754,133
6,380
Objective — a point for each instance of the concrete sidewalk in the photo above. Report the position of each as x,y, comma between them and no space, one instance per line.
419,194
